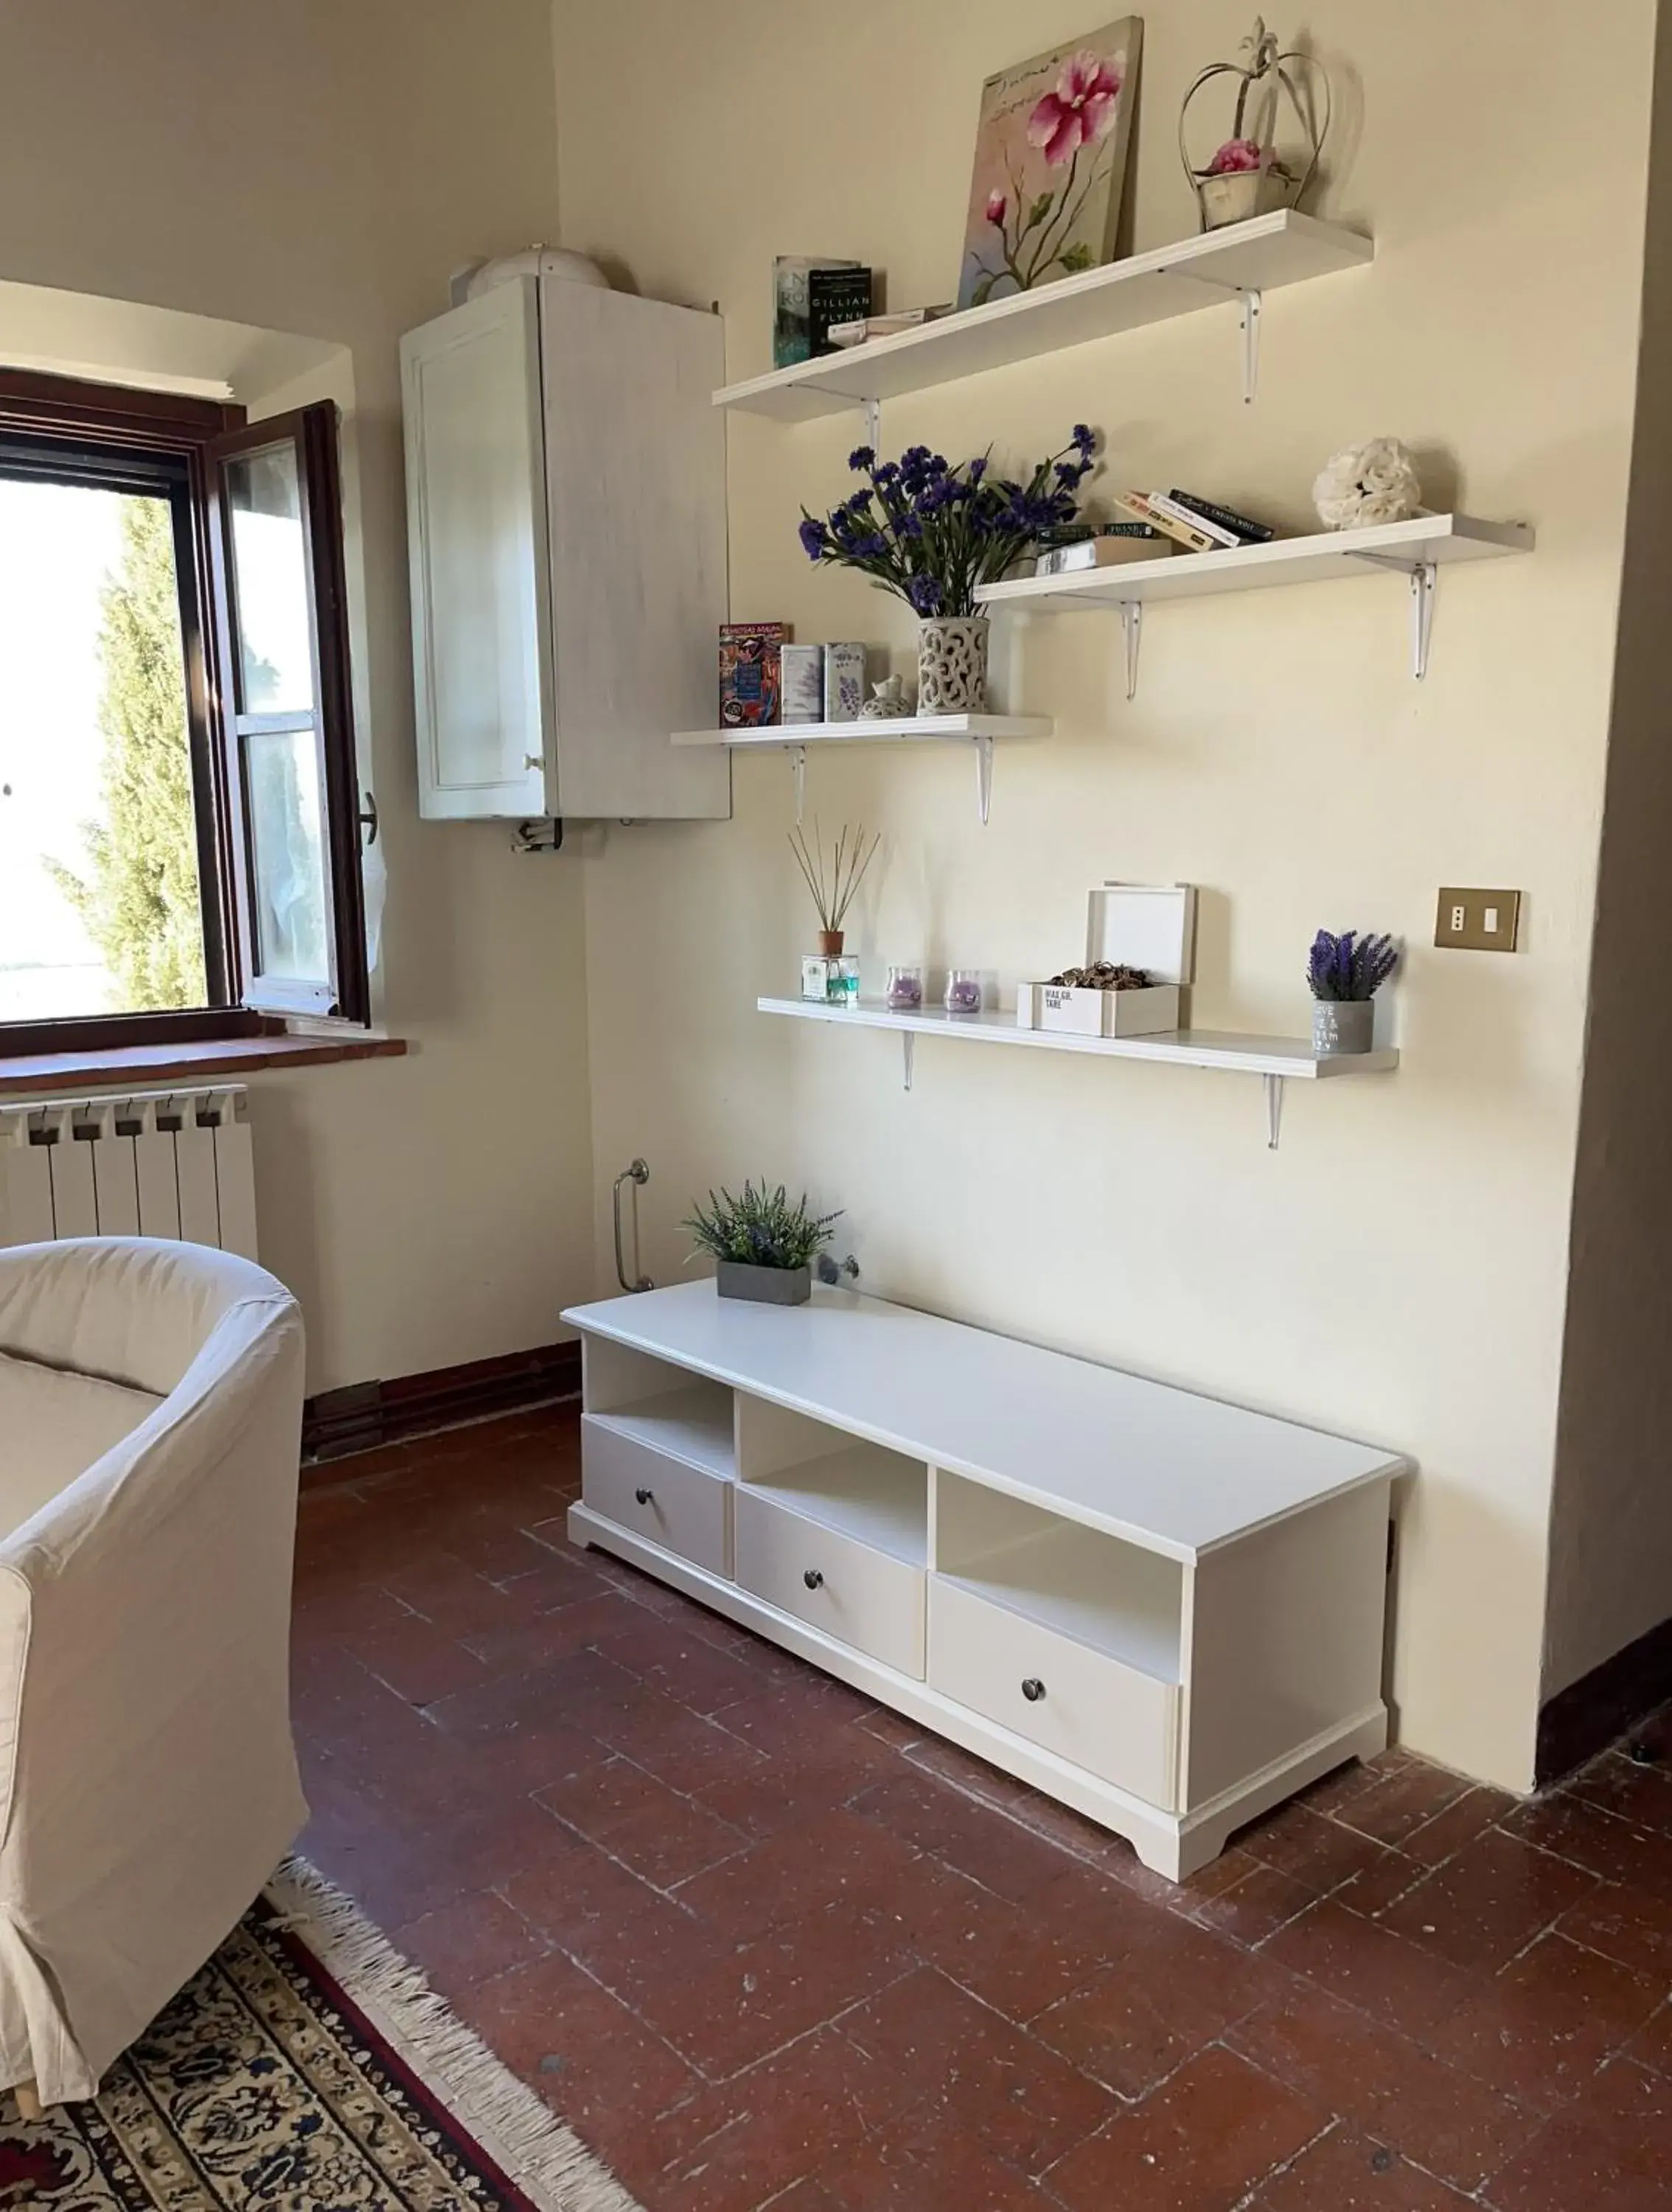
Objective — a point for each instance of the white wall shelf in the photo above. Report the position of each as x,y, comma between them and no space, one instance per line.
1239,264
795,738
1277,1060
1416,550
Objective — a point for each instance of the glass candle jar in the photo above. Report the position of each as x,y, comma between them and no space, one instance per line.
905,990
963,991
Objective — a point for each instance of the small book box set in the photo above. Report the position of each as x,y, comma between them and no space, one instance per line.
1141,955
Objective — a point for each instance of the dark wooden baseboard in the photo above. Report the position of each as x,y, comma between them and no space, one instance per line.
364,1415
1585,1718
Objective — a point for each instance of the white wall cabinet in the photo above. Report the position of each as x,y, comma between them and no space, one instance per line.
566,509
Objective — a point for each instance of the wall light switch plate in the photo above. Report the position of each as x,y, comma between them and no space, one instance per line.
1478,921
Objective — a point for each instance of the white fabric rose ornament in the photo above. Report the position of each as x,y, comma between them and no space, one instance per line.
1369,484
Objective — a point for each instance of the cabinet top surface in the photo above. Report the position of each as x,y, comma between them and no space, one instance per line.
1162,1467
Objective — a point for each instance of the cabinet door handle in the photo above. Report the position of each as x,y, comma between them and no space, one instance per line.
532,761
813,1579
644,1496
1033,1689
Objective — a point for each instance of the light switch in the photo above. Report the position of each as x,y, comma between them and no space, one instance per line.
1478,920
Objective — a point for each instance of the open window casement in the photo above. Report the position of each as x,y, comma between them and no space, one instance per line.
285,719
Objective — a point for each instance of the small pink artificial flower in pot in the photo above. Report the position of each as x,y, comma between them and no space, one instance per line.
1235,153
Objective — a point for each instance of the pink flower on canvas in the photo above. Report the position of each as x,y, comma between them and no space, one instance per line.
995,208
1081,110
1235,154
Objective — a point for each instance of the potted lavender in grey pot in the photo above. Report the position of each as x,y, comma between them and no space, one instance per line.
1344,975
932,533
764,1243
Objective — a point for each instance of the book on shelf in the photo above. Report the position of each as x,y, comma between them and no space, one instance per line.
864,328
1142,508
1174,511
1108,548
792,303
1243,530
834,296
751,674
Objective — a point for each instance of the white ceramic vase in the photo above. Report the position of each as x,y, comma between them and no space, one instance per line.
951,664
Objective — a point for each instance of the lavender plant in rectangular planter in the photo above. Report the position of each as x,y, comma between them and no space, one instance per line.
1344,973
764,1243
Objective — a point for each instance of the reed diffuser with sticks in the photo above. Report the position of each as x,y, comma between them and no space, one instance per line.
832,877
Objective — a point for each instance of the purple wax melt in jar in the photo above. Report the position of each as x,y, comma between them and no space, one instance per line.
905,990
963,991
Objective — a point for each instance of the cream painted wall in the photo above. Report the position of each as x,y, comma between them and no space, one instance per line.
318,169
1398,1269
1611,1522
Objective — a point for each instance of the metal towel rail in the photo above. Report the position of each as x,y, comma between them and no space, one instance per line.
638,1173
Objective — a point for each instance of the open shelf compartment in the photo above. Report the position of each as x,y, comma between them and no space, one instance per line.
878,1498
660,1406
1112,1597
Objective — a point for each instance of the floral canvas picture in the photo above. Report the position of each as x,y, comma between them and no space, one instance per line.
1051,165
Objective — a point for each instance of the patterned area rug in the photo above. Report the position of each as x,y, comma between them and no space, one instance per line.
307,2068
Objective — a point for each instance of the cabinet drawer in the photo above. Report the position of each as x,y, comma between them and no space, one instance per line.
862,1596
1104,1716
682,1507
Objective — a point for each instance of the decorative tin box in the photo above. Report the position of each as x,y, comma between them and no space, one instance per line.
844,682
803,669
1148,926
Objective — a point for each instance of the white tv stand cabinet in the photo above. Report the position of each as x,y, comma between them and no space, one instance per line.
1165,1611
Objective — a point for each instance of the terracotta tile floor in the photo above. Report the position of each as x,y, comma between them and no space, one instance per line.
764,1944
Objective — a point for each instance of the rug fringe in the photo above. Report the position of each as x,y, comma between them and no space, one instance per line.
521,2134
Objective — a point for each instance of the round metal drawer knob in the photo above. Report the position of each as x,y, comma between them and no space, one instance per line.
813,1579
644,1496
1033,1689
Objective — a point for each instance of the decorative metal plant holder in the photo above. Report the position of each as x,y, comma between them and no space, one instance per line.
1275,87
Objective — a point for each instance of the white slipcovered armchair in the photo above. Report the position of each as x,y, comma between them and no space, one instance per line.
150,1416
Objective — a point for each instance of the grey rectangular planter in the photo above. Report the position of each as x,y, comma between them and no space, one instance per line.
767,1286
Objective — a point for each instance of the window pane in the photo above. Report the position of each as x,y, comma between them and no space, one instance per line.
281,767
100,910
270,581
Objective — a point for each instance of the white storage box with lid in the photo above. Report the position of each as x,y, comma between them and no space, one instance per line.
1148,926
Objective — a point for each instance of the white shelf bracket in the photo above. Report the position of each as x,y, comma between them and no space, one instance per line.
1425,585
797,772
909,1039
984,777
1274,1110
873,425
1252,305
1132,628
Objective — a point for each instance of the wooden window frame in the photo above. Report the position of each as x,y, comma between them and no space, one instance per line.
190,433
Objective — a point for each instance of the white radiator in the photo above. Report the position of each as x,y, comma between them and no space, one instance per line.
164,1163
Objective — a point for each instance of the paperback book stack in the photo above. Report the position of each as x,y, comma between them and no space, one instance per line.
1199,525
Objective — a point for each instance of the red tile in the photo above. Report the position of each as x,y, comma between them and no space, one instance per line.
979,1841
417,1661
1462,1821
1367,1965
838,1860
605,2071
672,1658
1132,2023
755,1995
1540,2028
1345,2172
1201,2143
803,2113
626,1933
1614,1848
1632,1925
660,1835
980,2077
1488,1902
1653,2047
469,1940
1371,1893
1254,1907
1319,1853
1606,2153
1637,1791
1443,2121
1395,1805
